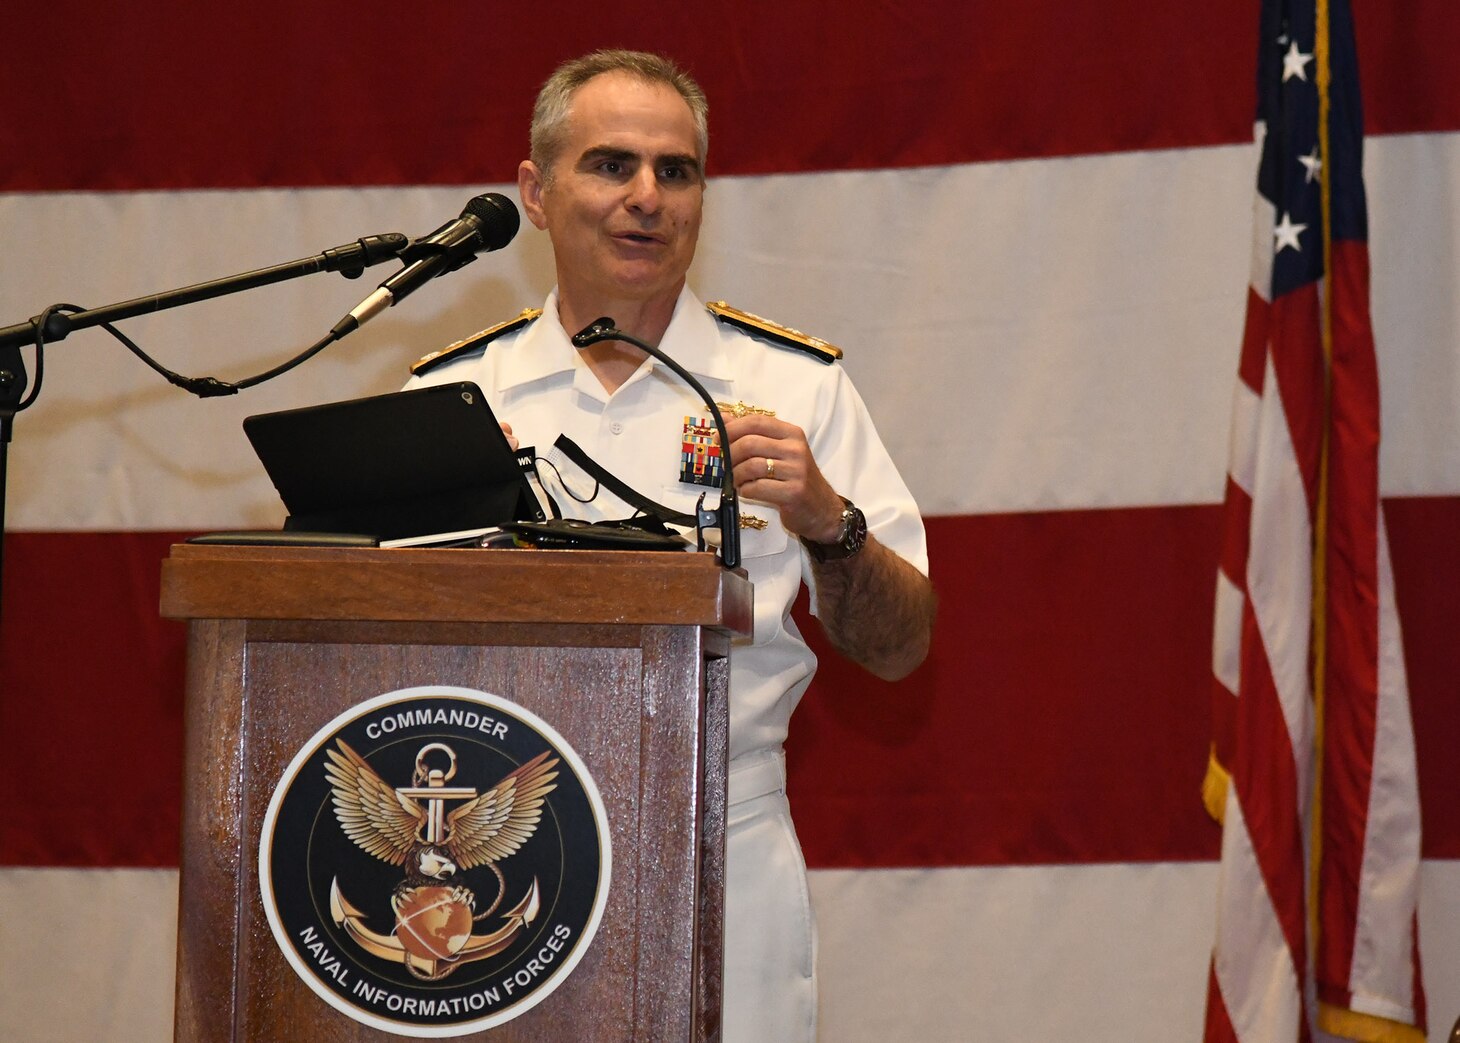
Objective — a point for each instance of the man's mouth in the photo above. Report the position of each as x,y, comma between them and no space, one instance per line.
640,238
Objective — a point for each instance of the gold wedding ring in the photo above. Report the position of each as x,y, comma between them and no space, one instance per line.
770,468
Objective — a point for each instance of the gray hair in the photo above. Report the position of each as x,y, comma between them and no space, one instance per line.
550,113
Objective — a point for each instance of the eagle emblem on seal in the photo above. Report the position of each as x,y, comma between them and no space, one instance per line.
409,826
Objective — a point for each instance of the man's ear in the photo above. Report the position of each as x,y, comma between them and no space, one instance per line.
530,185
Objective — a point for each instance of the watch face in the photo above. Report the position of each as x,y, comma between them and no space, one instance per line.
849,540
856,531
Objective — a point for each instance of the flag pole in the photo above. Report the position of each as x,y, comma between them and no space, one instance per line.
1323,75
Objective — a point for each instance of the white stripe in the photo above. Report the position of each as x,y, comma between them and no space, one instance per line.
1243,443
1264,217
1101,953
1050,334
1413,184
1260,986
87,954
1280,575
1382,974
1253,965
1227,634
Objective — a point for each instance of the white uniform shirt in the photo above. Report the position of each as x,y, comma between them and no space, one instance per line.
537,382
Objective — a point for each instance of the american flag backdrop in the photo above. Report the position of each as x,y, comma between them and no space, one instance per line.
1313,767
1027,227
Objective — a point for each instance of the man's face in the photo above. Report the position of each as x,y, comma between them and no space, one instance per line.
624,199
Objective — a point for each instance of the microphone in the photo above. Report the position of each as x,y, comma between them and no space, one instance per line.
728,515
488,223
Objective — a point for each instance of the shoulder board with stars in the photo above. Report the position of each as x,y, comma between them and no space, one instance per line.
476,340
775,332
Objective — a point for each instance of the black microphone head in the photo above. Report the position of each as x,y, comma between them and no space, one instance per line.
593,332
497,216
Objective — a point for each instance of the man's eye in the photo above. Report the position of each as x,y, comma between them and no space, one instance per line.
672,173
611,166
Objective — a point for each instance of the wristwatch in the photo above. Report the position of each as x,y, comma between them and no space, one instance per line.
850,539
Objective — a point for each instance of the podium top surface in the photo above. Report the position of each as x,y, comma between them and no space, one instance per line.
455,585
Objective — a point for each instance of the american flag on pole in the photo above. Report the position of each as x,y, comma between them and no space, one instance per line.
1313,764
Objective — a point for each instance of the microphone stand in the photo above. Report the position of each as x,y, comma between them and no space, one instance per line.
349,260
727,516
12,387
55,324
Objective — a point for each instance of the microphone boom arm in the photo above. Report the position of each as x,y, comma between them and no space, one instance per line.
350,260
728,513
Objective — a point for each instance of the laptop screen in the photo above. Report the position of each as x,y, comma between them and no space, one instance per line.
408,464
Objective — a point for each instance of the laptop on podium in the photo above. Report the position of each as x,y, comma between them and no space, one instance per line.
420,466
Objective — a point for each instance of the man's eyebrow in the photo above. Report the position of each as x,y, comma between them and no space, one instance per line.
688,162
602,152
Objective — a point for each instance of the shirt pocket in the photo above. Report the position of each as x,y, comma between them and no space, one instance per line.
756,539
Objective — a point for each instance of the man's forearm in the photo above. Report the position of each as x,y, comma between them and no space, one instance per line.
876,609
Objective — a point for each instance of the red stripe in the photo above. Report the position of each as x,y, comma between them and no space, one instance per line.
1218,1023
1426,559
92,681
1224,724
1252,367
1421,1006
1059,720
1236,534
280,93
1410,82
1352,681
333,93
1236,540
1049,724
1297,359
1266,781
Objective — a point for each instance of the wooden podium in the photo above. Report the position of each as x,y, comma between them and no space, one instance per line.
624,654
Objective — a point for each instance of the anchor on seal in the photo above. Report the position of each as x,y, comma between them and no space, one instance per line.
409,826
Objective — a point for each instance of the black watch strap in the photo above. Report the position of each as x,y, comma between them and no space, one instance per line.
851,539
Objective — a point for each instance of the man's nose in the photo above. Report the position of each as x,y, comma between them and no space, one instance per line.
644,191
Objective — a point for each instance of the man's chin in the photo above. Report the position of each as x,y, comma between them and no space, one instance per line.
633,282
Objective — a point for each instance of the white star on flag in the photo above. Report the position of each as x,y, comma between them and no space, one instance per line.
1294,62
1286,234
1312,164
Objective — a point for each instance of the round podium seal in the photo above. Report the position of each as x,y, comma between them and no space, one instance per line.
435,861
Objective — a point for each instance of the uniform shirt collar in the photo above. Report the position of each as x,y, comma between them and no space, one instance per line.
693,339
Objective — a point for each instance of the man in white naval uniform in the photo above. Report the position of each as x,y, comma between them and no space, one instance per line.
616,178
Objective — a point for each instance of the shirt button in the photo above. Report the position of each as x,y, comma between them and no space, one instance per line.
616,427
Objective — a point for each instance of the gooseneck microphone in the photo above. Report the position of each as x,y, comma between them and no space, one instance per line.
488,223
728,515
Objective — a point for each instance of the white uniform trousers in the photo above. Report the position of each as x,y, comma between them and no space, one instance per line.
770,933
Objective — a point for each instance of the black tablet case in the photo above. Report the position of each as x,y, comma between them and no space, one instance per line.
413,463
